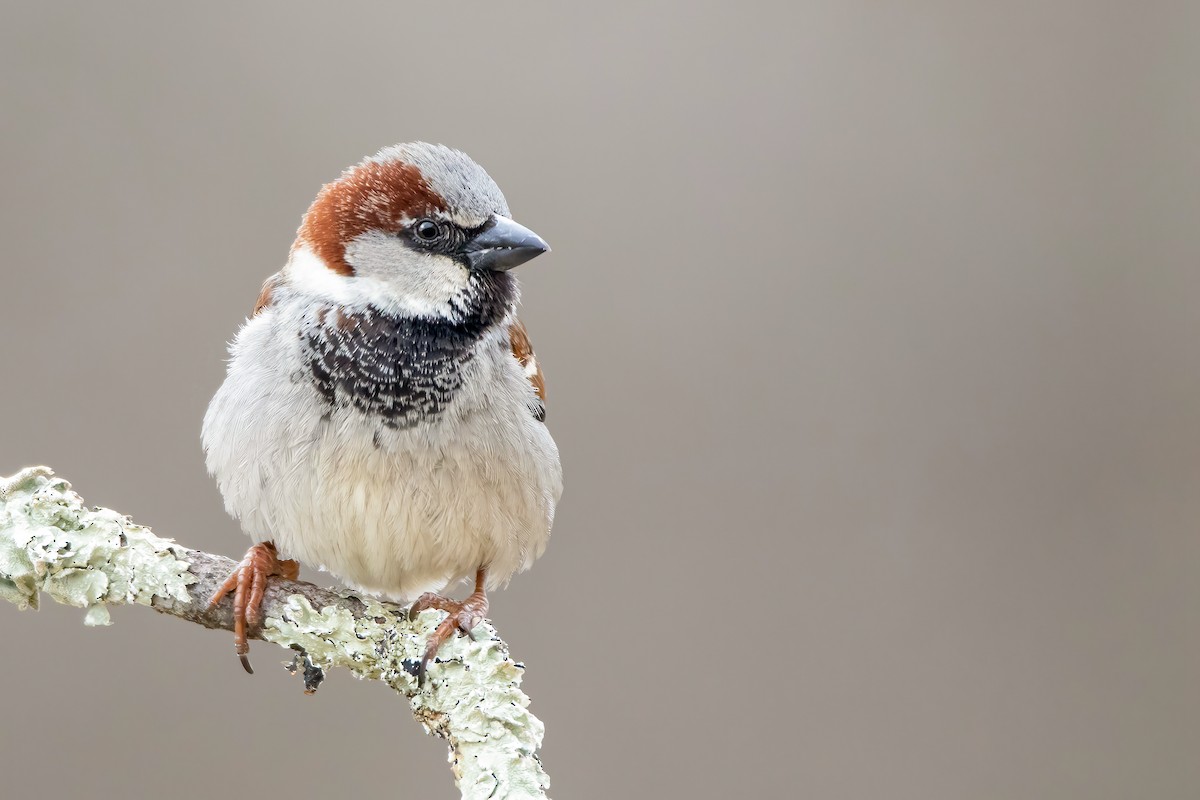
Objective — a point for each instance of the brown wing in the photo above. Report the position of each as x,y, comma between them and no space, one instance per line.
523,350
266,296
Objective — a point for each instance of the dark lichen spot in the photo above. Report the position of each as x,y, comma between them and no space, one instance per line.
312,675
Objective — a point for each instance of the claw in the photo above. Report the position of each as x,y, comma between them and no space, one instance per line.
421,672
443,632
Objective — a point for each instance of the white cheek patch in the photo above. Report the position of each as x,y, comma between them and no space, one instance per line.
388,275
425,281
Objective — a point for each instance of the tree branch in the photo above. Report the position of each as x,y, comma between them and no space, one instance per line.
49,542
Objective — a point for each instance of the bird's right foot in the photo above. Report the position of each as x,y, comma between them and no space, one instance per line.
248,582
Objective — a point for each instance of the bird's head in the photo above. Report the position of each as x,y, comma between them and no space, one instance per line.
418,229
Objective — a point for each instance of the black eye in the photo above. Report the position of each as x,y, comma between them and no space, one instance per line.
427,230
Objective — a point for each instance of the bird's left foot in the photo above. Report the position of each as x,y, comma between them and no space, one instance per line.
463,617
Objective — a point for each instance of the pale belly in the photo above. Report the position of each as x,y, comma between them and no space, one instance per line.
388,513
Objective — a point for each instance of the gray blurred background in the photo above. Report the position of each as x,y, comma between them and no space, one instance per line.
871,338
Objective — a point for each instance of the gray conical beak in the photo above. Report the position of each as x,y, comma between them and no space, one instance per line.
502,245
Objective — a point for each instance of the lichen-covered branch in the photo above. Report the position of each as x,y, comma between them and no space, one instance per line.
50,543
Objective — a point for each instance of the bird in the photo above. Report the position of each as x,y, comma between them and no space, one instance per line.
382,417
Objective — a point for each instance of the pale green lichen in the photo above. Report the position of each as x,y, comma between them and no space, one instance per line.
49,542
476,701
81,558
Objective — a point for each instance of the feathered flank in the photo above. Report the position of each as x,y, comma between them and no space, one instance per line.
523,350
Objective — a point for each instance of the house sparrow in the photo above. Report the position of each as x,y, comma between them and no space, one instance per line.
383,413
